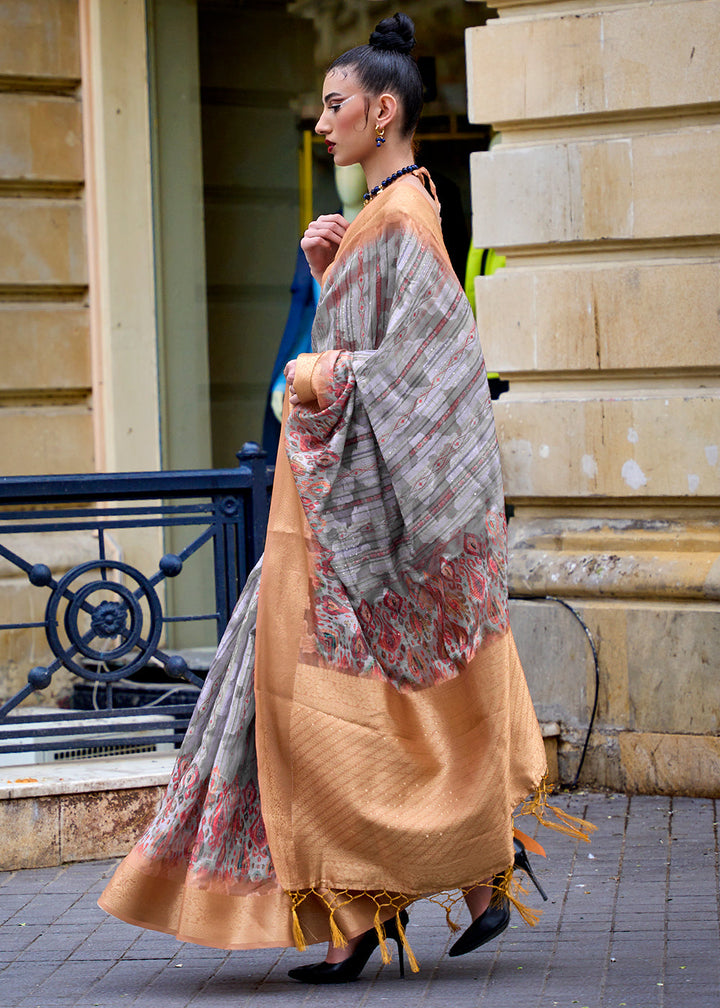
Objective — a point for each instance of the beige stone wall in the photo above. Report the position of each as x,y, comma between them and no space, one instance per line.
45,377
603,194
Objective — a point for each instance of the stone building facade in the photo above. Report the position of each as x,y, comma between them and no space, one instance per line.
603,193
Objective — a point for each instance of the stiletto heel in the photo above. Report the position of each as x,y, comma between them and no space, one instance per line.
350,969
496,918
522,862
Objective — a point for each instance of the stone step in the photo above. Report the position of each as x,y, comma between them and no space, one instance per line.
78,810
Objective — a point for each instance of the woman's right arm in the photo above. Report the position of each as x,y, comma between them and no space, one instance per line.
321,240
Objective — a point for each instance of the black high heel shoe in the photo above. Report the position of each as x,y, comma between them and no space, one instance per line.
351,968
484,928
496,918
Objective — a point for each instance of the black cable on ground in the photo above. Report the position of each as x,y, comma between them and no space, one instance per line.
583,624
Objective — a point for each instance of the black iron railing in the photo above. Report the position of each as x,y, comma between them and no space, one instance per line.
104,619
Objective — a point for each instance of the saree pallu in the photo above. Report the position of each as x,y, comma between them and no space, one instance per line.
365,731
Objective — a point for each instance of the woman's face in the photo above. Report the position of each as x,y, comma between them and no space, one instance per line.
345,122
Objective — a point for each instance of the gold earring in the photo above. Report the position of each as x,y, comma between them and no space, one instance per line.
379,135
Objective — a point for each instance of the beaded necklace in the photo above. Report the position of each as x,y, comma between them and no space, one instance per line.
386,182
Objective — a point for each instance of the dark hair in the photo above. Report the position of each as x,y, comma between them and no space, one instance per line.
385,64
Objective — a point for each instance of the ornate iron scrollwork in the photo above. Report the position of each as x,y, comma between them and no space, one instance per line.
120,618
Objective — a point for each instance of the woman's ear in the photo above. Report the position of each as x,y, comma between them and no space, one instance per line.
387,107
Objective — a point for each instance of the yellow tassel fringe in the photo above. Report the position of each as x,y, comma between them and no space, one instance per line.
298,936
334,901
380,929
538,806
336,936
406,945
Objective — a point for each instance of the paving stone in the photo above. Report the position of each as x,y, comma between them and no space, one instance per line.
646,899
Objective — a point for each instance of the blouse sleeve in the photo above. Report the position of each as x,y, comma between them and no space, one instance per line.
314,378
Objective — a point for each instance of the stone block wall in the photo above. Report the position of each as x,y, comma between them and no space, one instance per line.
45,378
603,194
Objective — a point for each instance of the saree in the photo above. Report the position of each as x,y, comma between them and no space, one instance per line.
365,732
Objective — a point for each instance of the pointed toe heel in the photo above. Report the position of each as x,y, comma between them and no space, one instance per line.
483,929
496,918
350,969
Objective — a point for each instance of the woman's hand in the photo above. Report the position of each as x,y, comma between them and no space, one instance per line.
289,372
320,242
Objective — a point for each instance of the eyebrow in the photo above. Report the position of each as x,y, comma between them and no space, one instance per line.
333,94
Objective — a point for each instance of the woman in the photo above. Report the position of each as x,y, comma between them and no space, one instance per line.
365,731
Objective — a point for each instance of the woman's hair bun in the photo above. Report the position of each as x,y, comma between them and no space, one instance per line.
394,34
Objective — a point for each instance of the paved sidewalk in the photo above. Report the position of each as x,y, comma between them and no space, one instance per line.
632,922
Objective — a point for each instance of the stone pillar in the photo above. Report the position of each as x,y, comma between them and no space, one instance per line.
119,225
603,194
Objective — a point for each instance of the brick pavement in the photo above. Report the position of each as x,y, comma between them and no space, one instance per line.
633,922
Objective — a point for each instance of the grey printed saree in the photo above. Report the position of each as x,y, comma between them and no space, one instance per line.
365,731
